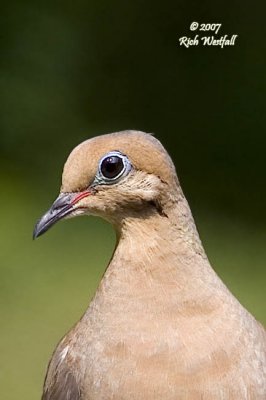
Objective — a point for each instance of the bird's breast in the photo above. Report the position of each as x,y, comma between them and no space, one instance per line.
157,356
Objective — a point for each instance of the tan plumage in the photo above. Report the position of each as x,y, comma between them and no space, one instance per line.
161,325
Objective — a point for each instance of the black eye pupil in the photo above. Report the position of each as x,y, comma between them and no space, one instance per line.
112,166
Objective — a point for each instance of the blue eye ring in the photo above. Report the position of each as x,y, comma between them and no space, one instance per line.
112,166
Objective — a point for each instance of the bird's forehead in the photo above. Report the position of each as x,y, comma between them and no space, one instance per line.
144,152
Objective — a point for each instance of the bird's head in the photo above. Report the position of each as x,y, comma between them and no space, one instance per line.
113,176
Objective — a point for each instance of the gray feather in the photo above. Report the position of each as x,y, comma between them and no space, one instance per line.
63,387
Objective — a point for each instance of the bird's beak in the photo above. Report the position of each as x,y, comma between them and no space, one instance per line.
64,205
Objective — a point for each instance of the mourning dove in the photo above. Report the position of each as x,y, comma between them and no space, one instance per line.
162,325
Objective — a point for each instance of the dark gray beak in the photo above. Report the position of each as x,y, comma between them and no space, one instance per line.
63,206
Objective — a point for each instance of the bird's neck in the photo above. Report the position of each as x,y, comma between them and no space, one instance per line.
157,253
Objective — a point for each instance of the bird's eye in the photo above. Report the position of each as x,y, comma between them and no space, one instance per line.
112,166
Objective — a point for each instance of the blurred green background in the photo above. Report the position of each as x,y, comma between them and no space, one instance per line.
74,70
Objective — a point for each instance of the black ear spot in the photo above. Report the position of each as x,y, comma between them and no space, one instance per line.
158,207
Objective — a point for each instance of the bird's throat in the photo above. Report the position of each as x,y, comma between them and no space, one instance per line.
154,254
